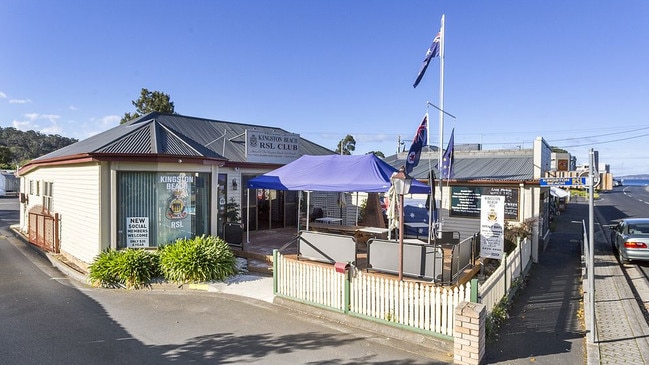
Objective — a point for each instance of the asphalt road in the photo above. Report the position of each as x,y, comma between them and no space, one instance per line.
46,318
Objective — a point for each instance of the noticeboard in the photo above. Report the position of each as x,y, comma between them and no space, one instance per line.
465,200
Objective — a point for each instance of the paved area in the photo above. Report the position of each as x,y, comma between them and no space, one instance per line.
545,325
622,333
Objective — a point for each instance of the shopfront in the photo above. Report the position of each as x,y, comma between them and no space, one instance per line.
160,207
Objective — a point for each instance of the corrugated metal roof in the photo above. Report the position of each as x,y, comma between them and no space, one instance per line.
174,134
486,165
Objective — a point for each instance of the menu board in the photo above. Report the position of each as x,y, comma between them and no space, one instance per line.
465,200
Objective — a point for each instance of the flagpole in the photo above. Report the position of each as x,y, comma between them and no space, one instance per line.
441,102
430,212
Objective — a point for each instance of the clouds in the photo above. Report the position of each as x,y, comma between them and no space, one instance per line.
44,123
19,101
14,101
22,115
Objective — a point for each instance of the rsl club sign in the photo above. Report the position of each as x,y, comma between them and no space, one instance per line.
272,146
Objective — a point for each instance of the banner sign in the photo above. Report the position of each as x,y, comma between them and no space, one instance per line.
137,232
272,146
465,200
492,226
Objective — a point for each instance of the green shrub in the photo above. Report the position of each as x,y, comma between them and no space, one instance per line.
135,267
102,270
203,258
131,268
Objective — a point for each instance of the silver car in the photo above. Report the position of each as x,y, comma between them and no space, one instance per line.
630,238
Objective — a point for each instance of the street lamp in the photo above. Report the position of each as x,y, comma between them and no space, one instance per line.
401,183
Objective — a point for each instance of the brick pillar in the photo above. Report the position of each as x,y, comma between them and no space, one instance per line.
470,333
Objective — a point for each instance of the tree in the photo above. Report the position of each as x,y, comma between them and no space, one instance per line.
150,101
378,154
18,147
6,158
347,145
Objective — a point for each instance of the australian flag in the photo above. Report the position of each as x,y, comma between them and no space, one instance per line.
447,159
417,143
433,51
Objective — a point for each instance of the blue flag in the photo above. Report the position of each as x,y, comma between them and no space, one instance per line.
447,159
433,51
417,143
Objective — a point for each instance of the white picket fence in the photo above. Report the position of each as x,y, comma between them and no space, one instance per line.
498,285
412,304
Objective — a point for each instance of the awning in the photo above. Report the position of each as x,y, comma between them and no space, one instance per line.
558,192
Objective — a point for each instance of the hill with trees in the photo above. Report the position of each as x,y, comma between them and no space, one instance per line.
17,147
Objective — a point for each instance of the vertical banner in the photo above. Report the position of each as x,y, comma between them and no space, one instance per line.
174,199
492,226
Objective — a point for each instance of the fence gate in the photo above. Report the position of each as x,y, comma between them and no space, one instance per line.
44,230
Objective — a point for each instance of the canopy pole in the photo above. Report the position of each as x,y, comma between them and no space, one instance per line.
299,210
357,208
308,208
248,217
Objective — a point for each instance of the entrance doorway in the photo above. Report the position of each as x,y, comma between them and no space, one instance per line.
276,209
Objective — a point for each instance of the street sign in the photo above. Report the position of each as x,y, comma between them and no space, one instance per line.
563,181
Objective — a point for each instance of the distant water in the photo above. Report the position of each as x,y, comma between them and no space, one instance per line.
635,182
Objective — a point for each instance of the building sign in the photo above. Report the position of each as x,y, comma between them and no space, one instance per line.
492,226
465,200
137,232
173,197
562,165
272,146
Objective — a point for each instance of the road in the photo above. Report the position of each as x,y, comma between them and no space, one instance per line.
47,318
624,202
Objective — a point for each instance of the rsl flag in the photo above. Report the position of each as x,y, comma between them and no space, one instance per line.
431,52
447,159
417,143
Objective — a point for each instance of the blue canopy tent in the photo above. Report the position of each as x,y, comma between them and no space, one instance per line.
339,173
333,173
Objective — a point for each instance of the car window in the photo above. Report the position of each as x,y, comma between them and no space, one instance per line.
642,229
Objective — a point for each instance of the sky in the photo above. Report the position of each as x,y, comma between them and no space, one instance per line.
573,72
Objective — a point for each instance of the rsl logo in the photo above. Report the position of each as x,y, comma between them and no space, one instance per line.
177,208
253,140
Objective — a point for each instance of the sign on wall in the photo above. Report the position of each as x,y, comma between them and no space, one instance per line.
465,200
272,146
492,226
174,196
137,232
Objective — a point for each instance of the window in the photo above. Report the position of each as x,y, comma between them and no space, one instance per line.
31,187
47,196
157,208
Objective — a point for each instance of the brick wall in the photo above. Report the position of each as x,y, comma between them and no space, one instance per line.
470,333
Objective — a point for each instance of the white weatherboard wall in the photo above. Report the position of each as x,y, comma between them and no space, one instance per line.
76,197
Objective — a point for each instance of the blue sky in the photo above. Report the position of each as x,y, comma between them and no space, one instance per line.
573,72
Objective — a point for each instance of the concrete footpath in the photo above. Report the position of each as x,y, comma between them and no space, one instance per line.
546,323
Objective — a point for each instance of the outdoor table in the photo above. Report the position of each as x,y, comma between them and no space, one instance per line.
416,225
329,220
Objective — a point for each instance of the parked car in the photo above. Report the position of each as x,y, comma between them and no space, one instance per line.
630,238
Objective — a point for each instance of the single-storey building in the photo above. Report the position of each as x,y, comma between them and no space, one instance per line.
514,174
155,179
8,183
